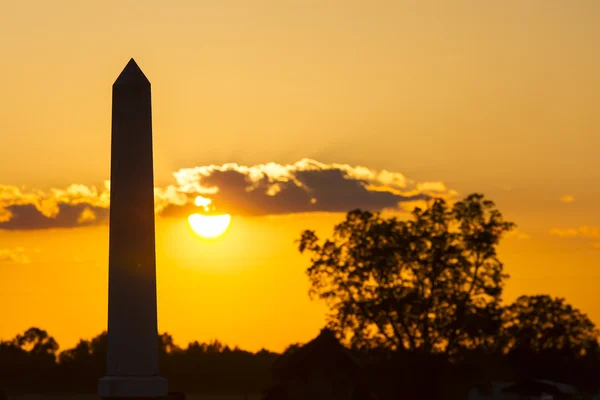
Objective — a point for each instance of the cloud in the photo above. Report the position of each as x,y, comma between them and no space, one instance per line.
567,199
264,189
516,233
306,186
77,205
564,233
589,232
16,255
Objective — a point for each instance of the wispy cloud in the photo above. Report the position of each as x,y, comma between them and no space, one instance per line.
264,189
16,255
590,232
567,199
516,233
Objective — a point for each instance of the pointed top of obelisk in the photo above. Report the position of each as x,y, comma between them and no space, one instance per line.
132,75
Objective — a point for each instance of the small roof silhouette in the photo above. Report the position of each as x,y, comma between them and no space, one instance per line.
132,75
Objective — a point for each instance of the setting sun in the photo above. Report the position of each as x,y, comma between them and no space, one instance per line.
209,226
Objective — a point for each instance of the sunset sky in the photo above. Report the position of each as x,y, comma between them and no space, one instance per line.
297,111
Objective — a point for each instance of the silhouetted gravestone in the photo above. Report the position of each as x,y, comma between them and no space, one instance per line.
132,356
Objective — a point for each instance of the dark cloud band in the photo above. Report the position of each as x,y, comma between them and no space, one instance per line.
267,189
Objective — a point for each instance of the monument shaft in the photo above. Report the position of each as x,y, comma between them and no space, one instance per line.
132,358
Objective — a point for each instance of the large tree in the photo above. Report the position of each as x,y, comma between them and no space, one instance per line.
431,283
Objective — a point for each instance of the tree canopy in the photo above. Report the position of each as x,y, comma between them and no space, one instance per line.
543,323
432,283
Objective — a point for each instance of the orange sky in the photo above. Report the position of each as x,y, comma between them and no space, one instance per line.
494,97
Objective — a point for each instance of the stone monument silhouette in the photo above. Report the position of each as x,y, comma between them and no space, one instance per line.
132,358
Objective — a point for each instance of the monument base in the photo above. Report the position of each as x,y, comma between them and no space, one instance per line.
133,387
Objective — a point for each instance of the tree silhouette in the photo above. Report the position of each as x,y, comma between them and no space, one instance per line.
430,284
37,342
546,337
543,323
28,364
28,360
166,344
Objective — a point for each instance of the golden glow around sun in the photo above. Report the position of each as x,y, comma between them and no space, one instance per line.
208,226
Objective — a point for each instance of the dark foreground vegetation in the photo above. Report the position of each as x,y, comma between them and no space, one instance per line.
416,311
30,364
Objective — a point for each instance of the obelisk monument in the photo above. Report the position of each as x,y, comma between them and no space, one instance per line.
132,359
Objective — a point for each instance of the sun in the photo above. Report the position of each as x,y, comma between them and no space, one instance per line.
208,226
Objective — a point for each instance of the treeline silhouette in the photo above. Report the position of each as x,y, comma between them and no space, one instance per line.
31,363
415,311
